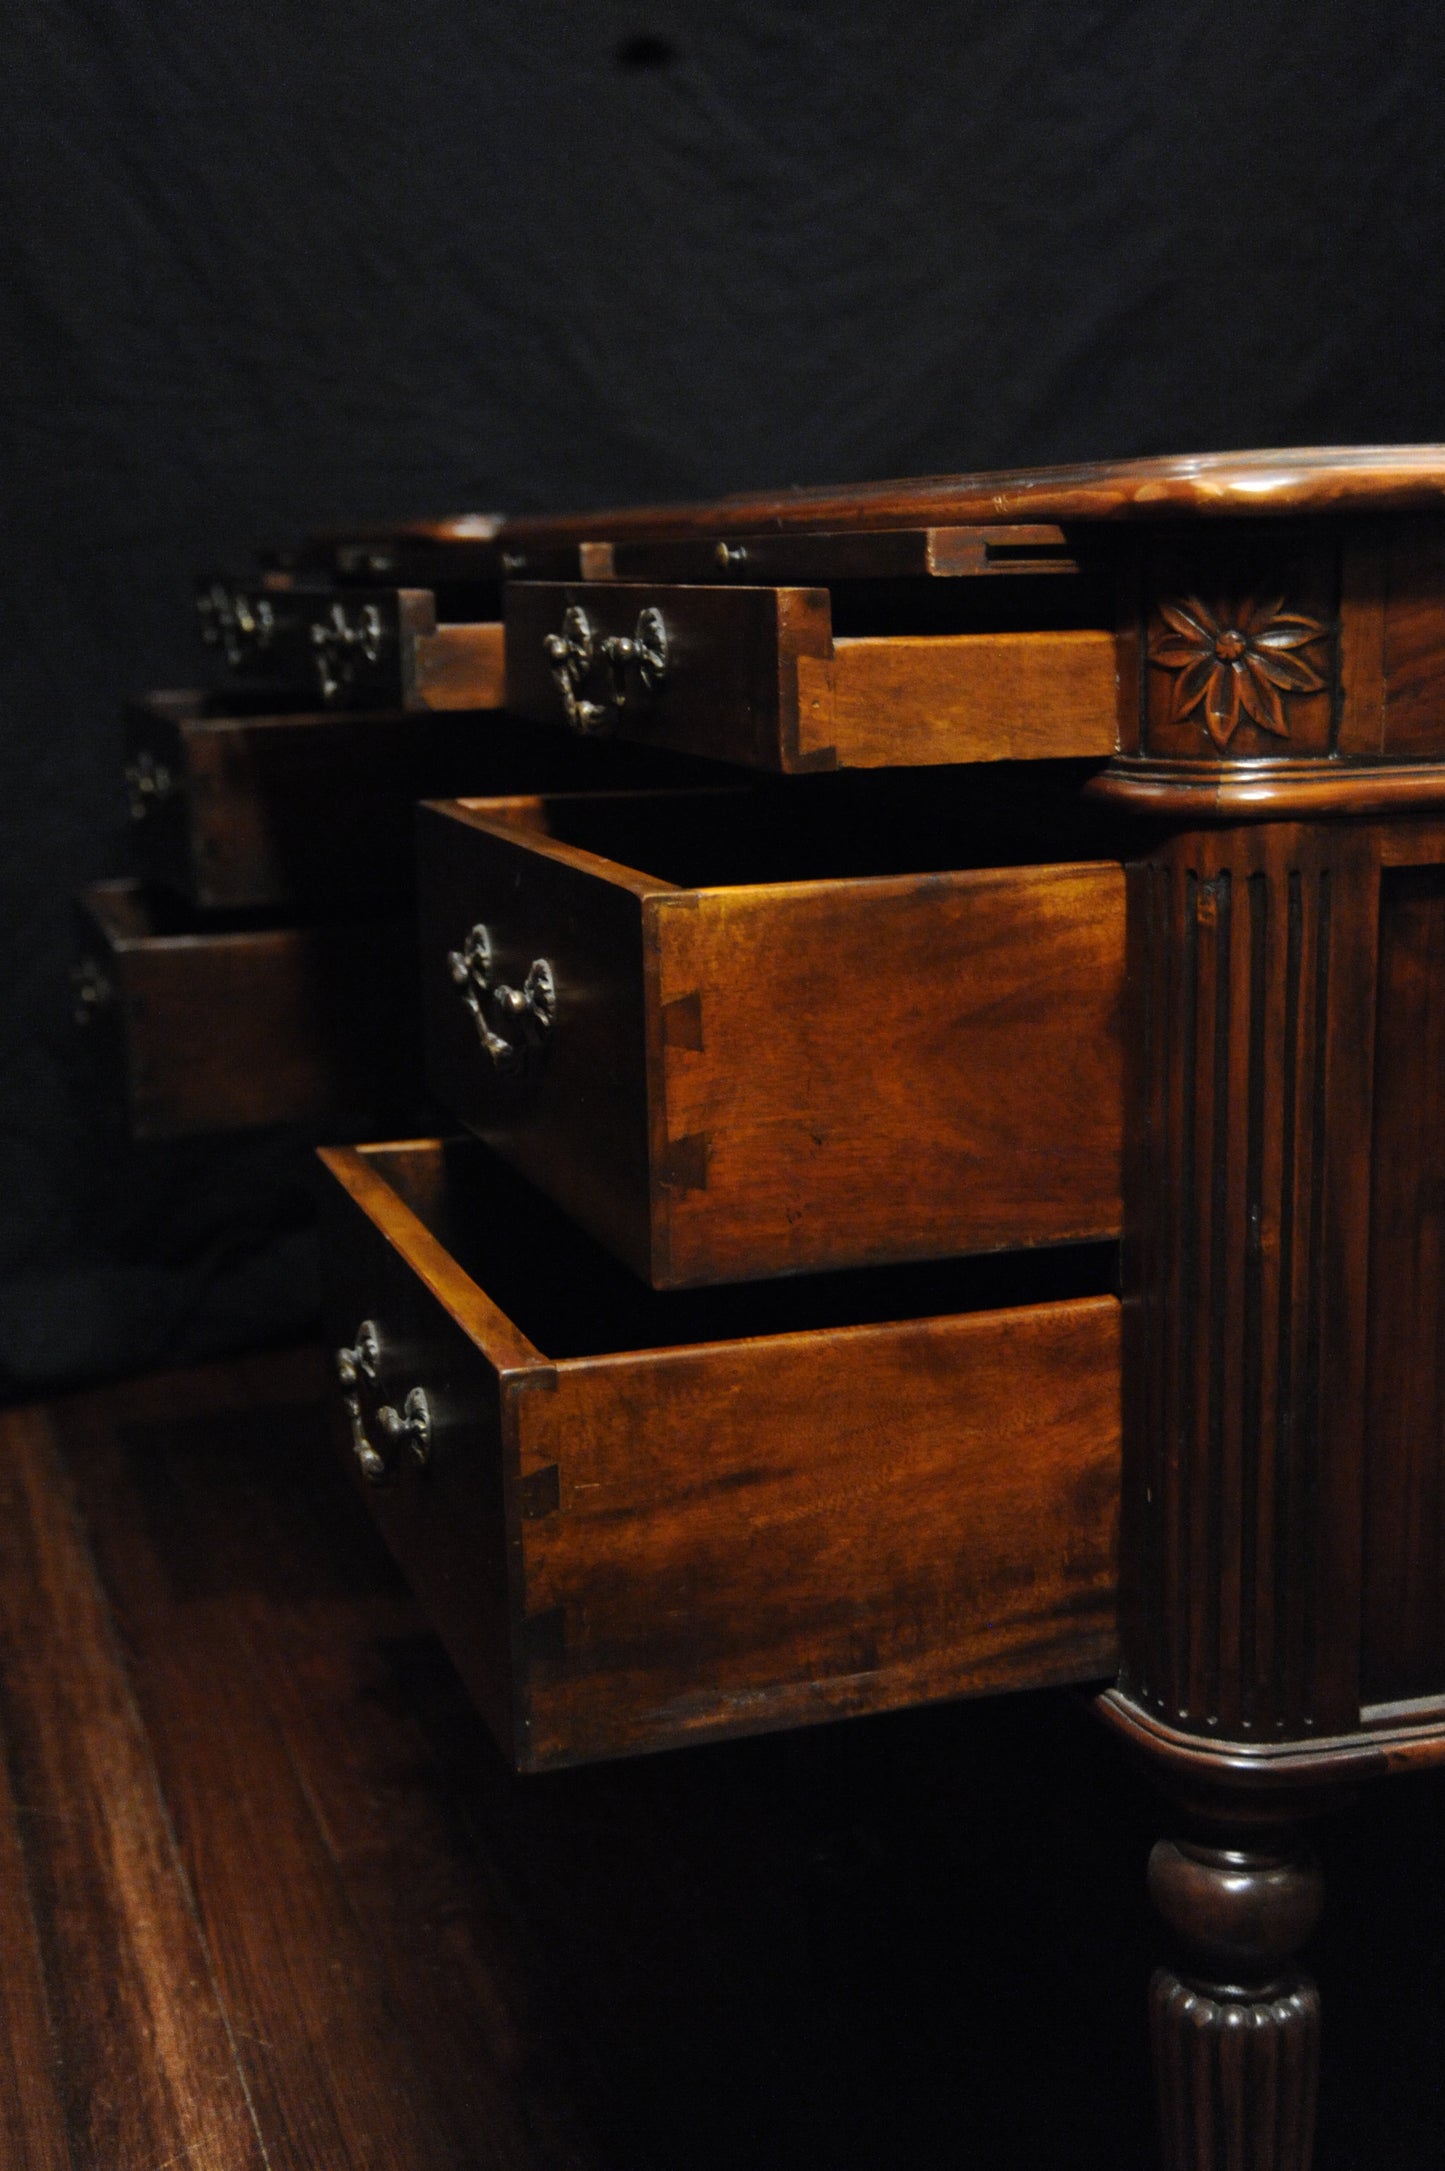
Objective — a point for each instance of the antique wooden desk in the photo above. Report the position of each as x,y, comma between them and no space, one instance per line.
1079,871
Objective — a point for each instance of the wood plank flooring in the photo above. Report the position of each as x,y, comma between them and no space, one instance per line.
269,1898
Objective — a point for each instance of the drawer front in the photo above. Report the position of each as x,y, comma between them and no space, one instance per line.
247,811
709,671
774,1078
570,1114
629,1551
219,1032
239,813
754,675
445,1520
353,648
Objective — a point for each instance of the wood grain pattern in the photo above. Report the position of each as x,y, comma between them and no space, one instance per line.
1262,791
128,1974
647,1544
961,697
457,667
762,1077
783,1530
885,1069
332,2080
755,676
33,2125
359,1966
686,1960
1316,479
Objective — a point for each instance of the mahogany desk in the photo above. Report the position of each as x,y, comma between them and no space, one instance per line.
1243,659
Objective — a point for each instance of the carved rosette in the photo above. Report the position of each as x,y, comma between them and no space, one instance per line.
1236,660
1231,649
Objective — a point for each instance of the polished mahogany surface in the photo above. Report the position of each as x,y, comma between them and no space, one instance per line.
1212,485
1289,480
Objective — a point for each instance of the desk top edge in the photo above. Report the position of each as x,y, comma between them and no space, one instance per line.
1309,480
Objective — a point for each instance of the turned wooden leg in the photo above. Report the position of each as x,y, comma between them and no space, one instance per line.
1236,2028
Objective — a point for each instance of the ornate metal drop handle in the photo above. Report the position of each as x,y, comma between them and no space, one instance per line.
341,638
147,783
91,991
372,1462
410,1426
353,1365
363,1359
527,1014
235,623
624,670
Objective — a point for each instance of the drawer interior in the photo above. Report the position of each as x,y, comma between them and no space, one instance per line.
130,913
832,828
570,1298
1024,603
699,1517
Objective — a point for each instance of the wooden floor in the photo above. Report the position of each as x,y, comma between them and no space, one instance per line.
269,1898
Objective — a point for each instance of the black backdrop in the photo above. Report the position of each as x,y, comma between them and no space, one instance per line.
283,261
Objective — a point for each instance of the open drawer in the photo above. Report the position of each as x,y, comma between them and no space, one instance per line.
236,807
740,1034
353,648
208,1026
763,676
638,1520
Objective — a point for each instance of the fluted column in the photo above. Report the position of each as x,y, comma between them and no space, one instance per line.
1252,968
1247,1208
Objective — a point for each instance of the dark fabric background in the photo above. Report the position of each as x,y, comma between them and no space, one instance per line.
284,261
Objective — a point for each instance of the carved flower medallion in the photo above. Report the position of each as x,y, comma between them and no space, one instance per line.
1237,660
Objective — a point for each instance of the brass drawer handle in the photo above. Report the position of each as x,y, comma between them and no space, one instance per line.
91,991
239,625
353,1365
147,783
409,1426
342,639
623,670
362,1359
527,1014
372,1462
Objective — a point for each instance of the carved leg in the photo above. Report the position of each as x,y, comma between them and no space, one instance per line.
1236,2030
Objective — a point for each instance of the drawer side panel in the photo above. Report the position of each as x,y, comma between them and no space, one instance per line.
758,1534
902,1069
962,698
